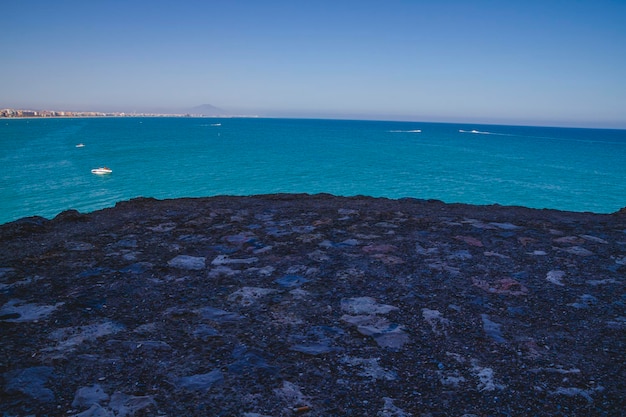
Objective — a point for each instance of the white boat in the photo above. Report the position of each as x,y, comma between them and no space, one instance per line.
101,171
80,145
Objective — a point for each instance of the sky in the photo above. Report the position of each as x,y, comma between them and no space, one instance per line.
547,62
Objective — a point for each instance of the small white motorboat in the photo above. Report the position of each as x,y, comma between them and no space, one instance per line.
80,145
101,171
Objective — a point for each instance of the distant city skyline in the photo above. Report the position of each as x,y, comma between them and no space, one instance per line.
516,62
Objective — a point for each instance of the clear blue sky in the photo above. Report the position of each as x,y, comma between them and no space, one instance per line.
528,62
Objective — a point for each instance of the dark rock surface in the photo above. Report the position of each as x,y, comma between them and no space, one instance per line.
313,305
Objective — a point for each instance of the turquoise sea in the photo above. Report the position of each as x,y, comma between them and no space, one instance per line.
44,172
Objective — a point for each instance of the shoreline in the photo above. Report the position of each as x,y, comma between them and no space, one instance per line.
120,117
326,195
339,118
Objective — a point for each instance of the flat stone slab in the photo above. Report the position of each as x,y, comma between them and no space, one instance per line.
19,311
200,382
188,262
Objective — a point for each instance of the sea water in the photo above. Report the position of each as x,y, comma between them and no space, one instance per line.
44,172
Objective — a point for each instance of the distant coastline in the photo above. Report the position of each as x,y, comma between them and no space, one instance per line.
22,113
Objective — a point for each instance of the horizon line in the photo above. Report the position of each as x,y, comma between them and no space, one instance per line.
185,112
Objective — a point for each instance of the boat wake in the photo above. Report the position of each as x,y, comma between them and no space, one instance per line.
593,141
476,132
406,131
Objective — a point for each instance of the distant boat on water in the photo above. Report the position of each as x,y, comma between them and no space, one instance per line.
406,131
101,171
80,145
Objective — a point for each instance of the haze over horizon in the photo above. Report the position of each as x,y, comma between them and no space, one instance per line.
517,62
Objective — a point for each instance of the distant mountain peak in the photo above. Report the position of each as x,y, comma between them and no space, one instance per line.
207,110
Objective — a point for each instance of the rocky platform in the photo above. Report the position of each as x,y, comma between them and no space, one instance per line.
288,305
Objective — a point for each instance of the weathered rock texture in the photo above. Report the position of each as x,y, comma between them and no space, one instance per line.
325,306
